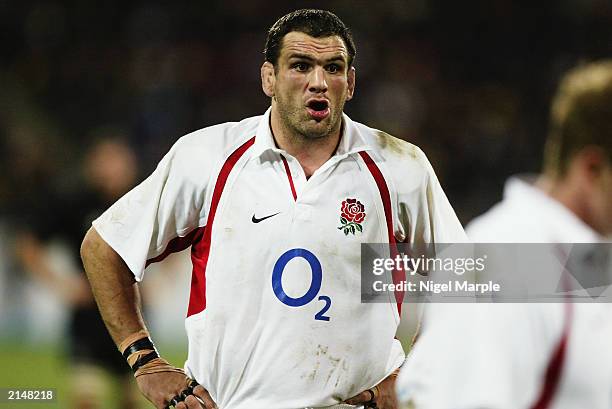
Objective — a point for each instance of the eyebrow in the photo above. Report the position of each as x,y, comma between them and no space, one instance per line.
310,58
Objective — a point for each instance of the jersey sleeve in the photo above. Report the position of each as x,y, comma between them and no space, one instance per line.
478,356
166,205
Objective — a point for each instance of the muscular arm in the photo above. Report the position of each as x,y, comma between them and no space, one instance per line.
113,286
118,299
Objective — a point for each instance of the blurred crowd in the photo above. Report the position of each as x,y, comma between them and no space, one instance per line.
94,94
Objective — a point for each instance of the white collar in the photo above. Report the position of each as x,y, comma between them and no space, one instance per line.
351,140
521,191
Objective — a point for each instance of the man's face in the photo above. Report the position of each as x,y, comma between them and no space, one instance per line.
310,84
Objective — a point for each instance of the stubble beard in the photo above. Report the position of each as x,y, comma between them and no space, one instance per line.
295,120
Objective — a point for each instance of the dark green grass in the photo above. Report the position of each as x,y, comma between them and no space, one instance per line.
45,366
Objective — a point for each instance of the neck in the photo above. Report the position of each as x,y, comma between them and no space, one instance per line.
568,195
311,153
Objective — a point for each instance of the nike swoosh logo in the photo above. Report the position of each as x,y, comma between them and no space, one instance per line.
256,220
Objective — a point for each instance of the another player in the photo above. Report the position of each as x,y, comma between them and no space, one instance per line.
275,208
110,170
523,356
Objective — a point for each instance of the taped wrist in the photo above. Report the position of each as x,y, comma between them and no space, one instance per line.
142,356
138,349
155,366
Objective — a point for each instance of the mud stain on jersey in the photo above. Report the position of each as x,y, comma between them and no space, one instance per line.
338,368
334,362
396,145
118,214
321,352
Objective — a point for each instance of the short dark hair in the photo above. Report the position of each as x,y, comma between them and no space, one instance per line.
315,23
581,115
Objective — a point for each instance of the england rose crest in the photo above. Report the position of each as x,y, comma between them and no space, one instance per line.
352,215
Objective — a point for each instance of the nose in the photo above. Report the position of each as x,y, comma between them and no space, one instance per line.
317,83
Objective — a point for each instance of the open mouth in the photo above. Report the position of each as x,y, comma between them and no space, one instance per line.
318,105
318,109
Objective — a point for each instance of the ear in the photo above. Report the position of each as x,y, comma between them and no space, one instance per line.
268,78
351,83
592,160
585,170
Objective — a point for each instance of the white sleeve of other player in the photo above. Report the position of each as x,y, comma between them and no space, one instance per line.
164,206
478,356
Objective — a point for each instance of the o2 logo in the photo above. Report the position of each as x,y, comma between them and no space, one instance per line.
315,283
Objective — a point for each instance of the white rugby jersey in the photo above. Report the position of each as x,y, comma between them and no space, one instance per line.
515,356
274,317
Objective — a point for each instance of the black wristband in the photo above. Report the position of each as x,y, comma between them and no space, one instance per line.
144,359
143,343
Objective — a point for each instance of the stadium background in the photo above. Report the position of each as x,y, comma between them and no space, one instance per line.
469,82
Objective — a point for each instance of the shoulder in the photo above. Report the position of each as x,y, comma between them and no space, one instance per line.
201,150
514,219
389,147
399,157
217,140
501,223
